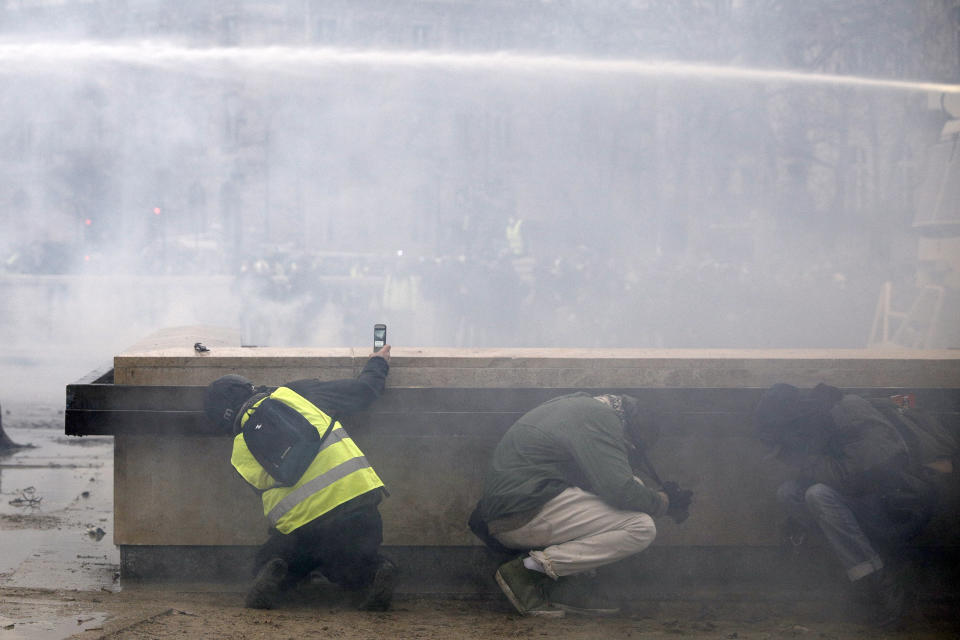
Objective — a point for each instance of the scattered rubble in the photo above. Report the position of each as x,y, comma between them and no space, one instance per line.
27,498
96,533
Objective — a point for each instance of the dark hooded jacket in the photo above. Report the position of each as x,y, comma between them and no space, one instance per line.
838,440
570,441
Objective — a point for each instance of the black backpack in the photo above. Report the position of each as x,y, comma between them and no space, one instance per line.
479,528
282,440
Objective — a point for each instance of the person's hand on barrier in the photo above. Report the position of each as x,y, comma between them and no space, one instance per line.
383,352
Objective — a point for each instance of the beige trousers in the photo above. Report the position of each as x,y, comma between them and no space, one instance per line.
578,531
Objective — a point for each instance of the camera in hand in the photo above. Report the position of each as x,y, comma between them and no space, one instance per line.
379,336
680,500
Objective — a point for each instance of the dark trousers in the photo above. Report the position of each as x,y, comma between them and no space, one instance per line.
858,529
343,547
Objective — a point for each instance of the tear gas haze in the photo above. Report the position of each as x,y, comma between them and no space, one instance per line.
717,174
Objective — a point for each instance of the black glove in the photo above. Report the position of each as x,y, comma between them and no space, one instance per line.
680,500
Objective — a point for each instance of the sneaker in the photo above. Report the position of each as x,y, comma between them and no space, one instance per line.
524,589
581,597
889,599
266,586
380,592
794,537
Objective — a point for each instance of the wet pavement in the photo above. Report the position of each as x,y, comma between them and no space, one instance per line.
56,505
37,619
59,577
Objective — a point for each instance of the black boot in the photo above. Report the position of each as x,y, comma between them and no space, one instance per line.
888,598
266,587
379,594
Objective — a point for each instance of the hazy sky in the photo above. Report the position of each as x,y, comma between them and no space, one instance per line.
703,178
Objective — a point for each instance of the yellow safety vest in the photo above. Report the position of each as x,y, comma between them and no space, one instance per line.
338,473
515,237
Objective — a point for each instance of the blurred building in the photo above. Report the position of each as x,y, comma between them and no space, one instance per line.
390,158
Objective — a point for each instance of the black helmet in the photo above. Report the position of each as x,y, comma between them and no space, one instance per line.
779,409
798,419
223,399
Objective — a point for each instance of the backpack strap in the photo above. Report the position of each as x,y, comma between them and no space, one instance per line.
333,421
252,400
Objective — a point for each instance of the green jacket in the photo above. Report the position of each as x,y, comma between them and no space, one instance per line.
569,441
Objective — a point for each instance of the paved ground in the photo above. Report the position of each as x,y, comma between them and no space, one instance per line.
150,613
59,578
56,518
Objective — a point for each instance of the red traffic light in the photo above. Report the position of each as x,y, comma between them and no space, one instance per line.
88,222
157,211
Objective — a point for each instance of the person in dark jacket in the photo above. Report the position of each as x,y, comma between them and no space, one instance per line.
327,520
852,482
562,487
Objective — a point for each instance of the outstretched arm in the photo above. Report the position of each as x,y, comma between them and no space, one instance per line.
347,396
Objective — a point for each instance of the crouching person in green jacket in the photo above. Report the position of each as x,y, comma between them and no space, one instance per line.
561,487
319,492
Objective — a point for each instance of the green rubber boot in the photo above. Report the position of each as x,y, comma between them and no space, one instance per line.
524,589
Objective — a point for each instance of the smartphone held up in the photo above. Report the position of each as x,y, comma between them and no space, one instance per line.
379,336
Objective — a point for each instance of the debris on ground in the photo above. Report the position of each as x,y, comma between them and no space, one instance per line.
26,498
96,533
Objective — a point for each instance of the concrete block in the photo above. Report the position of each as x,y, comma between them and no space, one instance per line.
431,434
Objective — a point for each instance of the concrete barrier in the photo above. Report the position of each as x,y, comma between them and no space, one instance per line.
181,511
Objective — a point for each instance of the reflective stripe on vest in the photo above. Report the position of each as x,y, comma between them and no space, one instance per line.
339,472
316,485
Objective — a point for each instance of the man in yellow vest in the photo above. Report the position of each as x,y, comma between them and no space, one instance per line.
324,517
